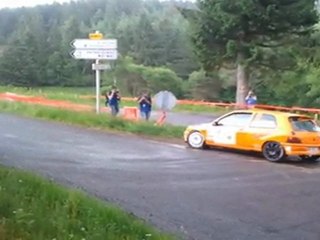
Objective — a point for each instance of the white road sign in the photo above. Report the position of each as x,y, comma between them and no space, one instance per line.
165,100
95,44
101,66
107,54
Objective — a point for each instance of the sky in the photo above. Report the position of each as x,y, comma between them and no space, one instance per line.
27,3
31,3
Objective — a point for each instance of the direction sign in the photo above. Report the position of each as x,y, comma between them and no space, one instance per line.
107,54
95,36
95,44
101,66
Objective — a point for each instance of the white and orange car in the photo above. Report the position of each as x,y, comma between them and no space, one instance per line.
275,134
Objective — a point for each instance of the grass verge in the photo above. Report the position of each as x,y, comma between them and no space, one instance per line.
75,95
54,93
89,119
201,109
32,208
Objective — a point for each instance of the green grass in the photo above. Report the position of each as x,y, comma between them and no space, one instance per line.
200,109
55,93
75,95
90,119
32,208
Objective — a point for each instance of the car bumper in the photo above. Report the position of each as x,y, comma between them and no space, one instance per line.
299,149
185,135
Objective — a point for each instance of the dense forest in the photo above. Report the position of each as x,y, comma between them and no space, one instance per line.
196,50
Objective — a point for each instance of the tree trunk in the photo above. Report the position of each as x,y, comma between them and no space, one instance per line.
242,80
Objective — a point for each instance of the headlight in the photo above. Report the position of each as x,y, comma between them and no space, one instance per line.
188,129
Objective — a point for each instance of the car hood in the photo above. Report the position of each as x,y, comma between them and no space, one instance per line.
199,127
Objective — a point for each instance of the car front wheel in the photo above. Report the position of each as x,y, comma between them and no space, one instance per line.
196,140
273,151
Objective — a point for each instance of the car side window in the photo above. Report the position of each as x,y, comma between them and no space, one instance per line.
264,121
236,120
303,124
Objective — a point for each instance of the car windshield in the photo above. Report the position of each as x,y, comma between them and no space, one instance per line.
303,124
236,119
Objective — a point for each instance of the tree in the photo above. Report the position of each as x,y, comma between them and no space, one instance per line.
238,33
132,78
204,86
25,58
153,32
19,71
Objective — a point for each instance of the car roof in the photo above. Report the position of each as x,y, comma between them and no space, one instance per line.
279,113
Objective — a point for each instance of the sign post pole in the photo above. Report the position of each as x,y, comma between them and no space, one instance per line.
97,88
96,48
97,36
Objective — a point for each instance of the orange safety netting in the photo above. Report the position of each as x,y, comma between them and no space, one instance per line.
44,102
81,107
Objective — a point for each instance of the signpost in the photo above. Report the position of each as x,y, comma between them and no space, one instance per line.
96,48
101,66
107,54
97,44
96,36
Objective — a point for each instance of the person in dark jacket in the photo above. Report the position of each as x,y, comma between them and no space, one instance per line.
113,101
145,105
251,99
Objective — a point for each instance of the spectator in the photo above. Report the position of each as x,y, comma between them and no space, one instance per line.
251,99
145,106
113,101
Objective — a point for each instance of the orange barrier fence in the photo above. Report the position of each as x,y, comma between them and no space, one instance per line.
44,102
230,105
289,109
131,113
239,106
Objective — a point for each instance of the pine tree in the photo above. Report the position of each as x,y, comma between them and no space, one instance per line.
237,32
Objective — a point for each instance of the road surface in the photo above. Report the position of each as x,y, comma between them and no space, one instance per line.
205,195
185,118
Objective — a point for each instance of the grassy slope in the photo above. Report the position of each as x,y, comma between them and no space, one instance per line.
75,95
32,208
89,119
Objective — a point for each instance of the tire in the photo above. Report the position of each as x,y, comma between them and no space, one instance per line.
196,140
273,151
310,158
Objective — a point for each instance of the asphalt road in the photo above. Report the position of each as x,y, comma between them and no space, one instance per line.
205,195
184,119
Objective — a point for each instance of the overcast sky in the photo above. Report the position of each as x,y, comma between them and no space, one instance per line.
27,3
30,3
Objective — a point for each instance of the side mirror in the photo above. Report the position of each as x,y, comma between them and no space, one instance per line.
216,123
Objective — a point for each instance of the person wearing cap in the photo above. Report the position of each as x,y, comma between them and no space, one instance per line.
251,99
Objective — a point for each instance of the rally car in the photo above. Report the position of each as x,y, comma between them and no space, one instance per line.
275,134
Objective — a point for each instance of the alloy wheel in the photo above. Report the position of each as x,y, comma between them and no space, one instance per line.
273,151
196,140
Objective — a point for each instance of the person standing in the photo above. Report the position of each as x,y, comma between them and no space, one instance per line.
251,99
145,106
113,101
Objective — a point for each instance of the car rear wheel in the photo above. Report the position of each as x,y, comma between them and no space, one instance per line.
310,158
196,140
273,151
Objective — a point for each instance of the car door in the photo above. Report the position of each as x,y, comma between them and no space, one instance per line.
224,131
262,124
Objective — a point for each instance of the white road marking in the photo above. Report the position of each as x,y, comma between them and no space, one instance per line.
10,136
170,144
177,146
